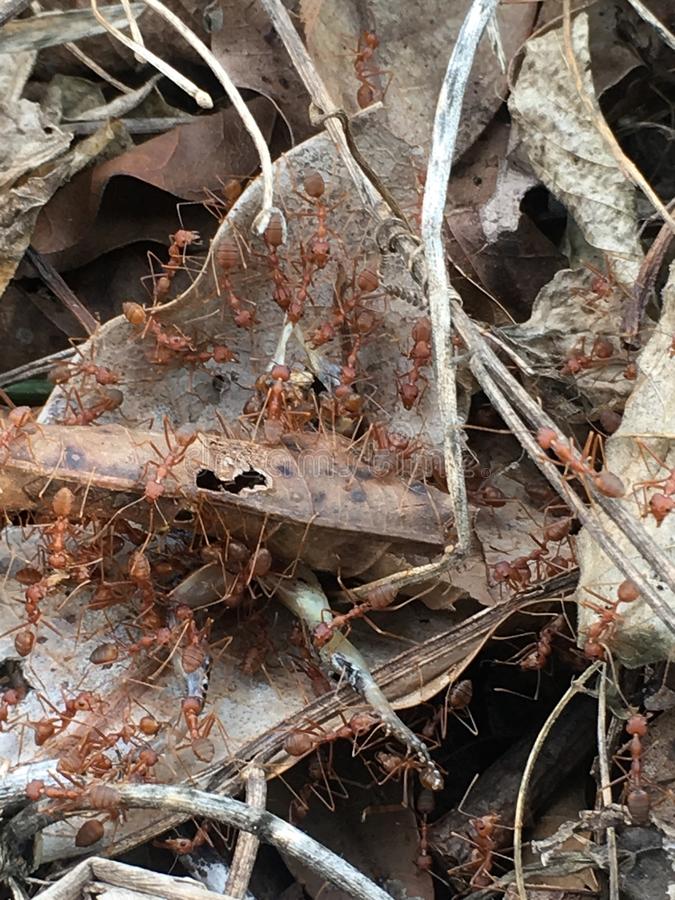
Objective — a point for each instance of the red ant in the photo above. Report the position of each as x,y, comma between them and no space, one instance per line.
637,799
8,698
226,258
140,575
425,806
167,345
182,845
577,361
458,698
274,237
180,241
63,372
537,655
99,796
378,598
661,503
184,437
420,355
364,70
606,482
301,741
202,747
601,631
109,399
57,532
38,587
19,423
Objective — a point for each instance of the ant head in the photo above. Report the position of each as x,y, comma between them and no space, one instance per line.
370,39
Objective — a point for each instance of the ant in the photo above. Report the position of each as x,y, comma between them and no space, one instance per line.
606,482
425,806
274,237
182,845
661,503
301,741
602,630
19,423
180,241
109,399
458,698
365,71
420,355
184,437
8,698
378,598
202,747
63,372
578,361
167,344
226,258
637,799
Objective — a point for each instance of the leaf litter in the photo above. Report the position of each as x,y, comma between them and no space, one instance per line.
264,427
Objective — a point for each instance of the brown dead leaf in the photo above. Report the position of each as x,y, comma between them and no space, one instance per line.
186,162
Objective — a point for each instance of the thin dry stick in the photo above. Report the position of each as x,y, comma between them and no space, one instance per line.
200,97
438,289
268,209
605,789
629,168
586,515
268,828
646,280
98,70
656,24
576,686
246,850
55,283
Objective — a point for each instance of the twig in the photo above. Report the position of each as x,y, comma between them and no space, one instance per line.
626,165
407,577
98,70
268,209
645,281
200,97
57,285
656,24
267,828
438,288
11,8
574,688
36,367
605,789
246,850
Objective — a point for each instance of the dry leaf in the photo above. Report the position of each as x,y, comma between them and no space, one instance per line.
566,151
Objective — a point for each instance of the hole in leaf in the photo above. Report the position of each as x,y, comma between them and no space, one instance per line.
243,481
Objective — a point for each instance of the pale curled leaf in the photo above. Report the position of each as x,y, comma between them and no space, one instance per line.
645,436
566,151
